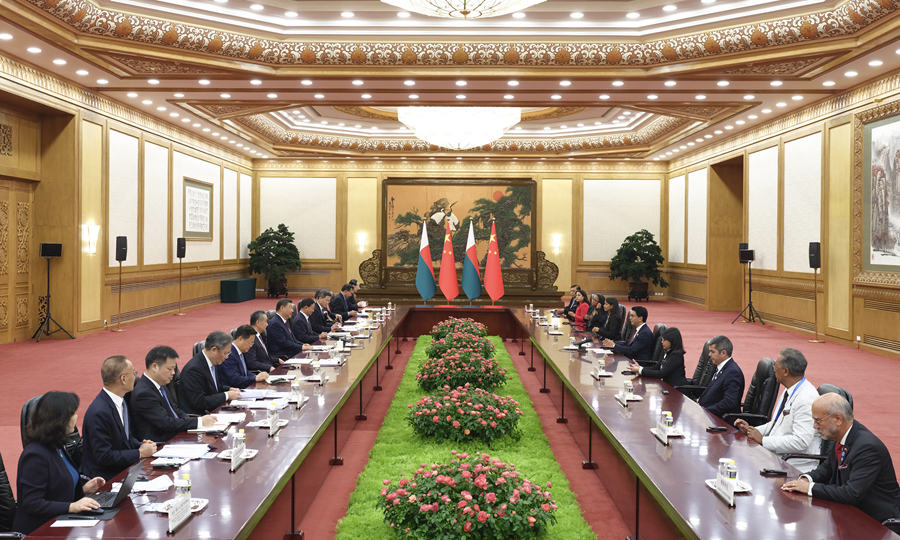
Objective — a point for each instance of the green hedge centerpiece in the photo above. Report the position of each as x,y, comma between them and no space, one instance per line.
460,326
470,497
465,413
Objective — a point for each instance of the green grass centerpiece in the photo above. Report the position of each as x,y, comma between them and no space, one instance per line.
465,413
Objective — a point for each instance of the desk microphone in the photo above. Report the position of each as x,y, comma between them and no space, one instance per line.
584,341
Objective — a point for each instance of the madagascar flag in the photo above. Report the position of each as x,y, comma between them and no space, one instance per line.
471,281
493,275
425,273
449,286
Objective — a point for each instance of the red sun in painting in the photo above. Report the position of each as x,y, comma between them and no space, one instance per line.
498,195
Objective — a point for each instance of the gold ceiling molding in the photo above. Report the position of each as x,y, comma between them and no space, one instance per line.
847,19
278,135
526,167
219,111
76,95
794,67
375,113
702,113
138,65
817,112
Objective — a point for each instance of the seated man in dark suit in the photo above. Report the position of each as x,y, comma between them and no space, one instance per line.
110,446
354,305
257,356
302,326
724,392
859,472
340,304
282,343
234,370
570,307
321,318
155,415
640,345
202,389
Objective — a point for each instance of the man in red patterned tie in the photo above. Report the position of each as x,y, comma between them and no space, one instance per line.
639,346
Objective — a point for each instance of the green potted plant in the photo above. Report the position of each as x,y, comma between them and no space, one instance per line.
273,254
638,259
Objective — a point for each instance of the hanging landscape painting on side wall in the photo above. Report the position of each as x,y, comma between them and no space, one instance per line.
884,194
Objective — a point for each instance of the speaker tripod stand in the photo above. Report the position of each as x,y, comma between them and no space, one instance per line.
751,312
45,326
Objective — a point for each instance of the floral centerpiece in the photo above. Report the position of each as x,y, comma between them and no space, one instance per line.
465,413
462,326
471,497
461,344
455,370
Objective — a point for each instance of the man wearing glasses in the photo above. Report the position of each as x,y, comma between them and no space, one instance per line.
109,442
859,472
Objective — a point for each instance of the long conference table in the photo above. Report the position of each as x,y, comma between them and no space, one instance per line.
659,490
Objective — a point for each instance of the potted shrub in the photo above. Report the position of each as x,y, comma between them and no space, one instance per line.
273,254
638,259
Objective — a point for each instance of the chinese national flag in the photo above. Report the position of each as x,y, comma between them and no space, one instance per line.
493,275
449,285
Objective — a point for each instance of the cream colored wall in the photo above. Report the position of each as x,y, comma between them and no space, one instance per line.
91,213
363,203
838,223
556,217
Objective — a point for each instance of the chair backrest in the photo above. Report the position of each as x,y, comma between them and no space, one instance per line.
627,328
270,314
833,389
172,388
199,347
27,411
763,389
233,330
7,501
658,331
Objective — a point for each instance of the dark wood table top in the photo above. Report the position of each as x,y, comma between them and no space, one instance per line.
237,501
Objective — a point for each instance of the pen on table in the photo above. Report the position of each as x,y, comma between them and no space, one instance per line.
79,517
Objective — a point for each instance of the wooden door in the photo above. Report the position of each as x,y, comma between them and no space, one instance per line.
17,315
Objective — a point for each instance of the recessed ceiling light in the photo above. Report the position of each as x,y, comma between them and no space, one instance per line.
307,120
796,98
290,14
729,127
828,83
604,96
413,96
221,1
718,132
160,108
147,102
513,83
683,147
652,96
226,96
81,72
699,140
266,156
461,83
215,134
670,83
766,111
318,96
102,81
626,113
708,1
518,15
565,83
34,50
347,14
461,96
577,15
374,128
256,82
324,123
409,83
615,121
707,136
580,125
306,82
776,83
740,122
271,96
509,96
633,15
782,104
752,117
676,150
231,142
876,63
670,7
152,81
341,125
749,96
4,36
556,96
366,96
174,114
357,82
563,126
518,128
131,94
185,120
403,14
851,74
723,83
668,153
701,96
204,82
195,125
206,130
617,83
59,62
547,128
256,7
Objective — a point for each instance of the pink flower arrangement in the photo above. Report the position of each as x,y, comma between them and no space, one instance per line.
464,326
466,413
446,504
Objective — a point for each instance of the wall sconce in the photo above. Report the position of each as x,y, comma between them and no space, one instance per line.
89,235
557,240
361,240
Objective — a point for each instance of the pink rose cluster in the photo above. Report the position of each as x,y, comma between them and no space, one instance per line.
458,325
469,497
465,413
458,369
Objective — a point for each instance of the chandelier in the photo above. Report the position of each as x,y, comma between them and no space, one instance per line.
459,128
463,9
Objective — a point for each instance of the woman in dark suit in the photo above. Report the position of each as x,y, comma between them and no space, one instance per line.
596,316
670,367
581,308
613,326
48,482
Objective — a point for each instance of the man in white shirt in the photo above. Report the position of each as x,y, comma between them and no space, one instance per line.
791,429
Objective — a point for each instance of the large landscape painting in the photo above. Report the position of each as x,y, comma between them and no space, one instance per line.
410,205
884,193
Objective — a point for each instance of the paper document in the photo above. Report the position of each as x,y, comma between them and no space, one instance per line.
184,451
160,483
338,334
253,394
280,403
320,348
275,379
230,418
556,333
218,426
164,461
324,362
601,351
75,523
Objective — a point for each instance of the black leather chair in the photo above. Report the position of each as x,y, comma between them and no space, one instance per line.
627,327
74,444
761,396
7,501
703,373
172,387
198,347
270,314
827,447
658,331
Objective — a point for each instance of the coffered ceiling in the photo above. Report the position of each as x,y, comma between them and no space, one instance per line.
637,79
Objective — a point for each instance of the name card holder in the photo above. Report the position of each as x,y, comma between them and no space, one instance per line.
298,405
601,374
725,489
662,432
179,513
238,457
276,427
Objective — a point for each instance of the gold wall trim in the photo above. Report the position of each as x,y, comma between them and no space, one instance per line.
147,285
778,291
130,316
847,19
29,77
881,343
786,283
189,272
787,321
877,295
881,306
814,113
530,167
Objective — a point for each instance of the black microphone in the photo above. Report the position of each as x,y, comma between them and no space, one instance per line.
582,342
